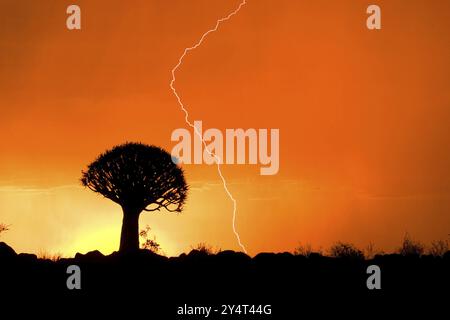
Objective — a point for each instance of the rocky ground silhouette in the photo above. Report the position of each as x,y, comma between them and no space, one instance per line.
286,282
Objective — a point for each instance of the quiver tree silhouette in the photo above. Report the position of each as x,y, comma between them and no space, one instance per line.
139,178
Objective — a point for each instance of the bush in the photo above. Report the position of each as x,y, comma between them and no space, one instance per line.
411,247
205,248
346,250
149,244
370,251
303,250
438,248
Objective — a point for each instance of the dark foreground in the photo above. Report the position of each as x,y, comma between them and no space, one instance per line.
232,285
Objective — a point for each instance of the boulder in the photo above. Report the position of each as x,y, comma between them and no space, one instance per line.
91,256
6,251
27,257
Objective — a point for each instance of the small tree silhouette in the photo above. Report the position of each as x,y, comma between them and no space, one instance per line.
346,250
139,178
439,248
411,247
303,250
205,248
149,244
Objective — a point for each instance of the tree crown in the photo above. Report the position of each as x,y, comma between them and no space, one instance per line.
137,176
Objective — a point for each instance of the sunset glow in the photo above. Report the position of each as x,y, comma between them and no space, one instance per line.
363,116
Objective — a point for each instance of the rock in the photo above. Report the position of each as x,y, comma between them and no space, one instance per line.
90,256
6,251
27,257
264,257
233,256
197,254
315,256
446,255
94,255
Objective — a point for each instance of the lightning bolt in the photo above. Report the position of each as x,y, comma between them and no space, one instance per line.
186,113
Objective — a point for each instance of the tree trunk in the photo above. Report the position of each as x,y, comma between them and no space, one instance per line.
129,238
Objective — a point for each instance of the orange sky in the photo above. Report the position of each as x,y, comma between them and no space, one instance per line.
364,119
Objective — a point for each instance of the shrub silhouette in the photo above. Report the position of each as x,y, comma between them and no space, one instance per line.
149,244
303,250
410,247
139,178
345,250
204,248
439,248
370,251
